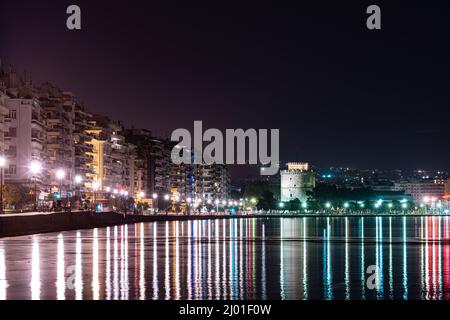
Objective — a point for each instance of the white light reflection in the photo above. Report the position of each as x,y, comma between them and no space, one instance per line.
217,256
177,262
391,276
155,263
3,281
363,271
305,264
141,262
35,271
282,292
60,269
108,264
209,277
78,269
346,263
116,264
189,263
95,270
167,266
405,262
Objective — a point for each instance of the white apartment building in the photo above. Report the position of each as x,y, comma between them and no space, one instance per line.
422,191
26,139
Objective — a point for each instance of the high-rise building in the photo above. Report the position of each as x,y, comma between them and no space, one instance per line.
59,109
25,139
153,168
296,181
211,181
83,146
112,158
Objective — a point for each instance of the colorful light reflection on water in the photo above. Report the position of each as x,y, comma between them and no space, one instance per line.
250,258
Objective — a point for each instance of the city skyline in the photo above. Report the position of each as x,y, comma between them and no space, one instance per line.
225,160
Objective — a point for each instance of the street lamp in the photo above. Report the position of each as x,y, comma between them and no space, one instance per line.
216,202
35,169
94,189
2,165
60,174
78,180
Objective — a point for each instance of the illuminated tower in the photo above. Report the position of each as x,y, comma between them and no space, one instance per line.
296,181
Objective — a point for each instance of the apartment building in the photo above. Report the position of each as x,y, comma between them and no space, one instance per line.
25,139
422,191
112,158
83,147
211,181
59,110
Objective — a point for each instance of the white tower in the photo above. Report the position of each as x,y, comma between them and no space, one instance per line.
296,181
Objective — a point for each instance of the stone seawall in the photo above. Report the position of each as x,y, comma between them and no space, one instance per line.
40,223
17,225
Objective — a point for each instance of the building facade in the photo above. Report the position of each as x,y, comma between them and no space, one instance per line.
24,133
422,191
296,181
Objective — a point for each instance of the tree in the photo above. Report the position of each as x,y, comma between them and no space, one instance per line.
17,196
267,201
294,205
256,189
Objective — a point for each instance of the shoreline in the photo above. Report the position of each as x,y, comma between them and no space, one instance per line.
28,224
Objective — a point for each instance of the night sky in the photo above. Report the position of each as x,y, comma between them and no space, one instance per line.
340,94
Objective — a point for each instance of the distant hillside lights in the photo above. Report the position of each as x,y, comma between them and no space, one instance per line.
186,153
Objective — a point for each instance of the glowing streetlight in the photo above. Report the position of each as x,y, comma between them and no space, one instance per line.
141,194
166,197
304,205
60,174
188,200
78,179
209,201
155,196
346,205
94,189
328,205
281,204
108,189
35,168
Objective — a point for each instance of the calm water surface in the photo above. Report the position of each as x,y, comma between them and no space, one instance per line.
254,258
